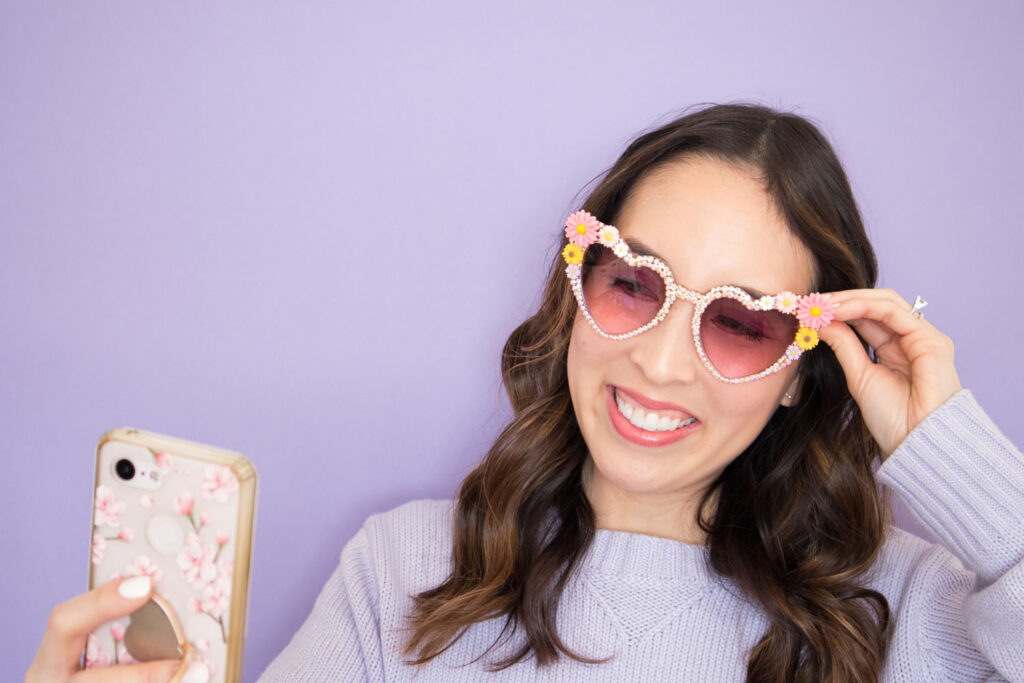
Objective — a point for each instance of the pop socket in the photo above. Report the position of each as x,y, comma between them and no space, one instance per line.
165,534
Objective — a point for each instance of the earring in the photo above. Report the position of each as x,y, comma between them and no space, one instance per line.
788,395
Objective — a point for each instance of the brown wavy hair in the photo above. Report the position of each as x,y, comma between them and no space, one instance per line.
799,517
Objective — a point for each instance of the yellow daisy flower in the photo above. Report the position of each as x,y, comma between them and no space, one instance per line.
806,338
572,254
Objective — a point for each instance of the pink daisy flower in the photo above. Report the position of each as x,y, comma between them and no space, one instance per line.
815,310
786,301
608,235
581,229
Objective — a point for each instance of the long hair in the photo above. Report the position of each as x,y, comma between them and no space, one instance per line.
798,519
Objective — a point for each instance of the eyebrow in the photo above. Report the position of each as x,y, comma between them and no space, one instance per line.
638,247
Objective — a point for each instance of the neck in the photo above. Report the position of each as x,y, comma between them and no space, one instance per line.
671,515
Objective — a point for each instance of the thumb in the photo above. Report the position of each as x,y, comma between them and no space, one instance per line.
72,621
848,348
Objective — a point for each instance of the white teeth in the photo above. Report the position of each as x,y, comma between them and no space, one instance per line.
625,409
649,421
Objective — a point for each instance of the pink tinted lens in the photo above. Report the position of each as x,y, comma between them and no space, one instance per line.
740,342
620,297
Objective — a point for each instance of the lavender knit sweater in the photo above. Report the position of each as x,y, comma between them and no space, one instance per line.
654,607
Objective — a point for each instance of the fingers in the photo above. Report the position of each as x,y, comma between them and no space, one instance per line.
874,333
160,671
914,374
71,622
80,615
873,311
882,305
848,349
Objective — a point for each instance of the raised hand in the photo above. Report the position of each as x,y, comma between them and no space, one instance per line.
914,373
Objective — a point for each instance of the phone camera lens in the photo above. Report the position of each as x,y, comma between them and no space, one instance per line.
124,468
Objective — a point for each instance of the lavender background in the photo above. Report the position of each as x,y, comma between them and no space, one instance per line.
304,230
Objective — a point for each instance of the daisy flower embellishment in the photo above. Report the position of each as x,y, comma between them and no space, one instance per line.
806,338
608,235
815,310
793,352
581,229
786,302
574,271
573,254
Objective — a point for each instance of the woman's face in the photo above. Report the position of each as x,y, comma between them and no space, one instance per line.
713,224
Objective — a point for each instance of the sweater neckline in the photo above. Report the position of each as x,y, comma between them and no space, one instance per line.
630,555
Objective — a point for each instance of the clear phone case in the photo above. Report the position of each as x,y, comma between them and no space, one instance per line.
182,513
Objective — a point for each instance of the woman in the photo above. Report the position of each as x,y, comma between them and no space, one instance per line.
686,490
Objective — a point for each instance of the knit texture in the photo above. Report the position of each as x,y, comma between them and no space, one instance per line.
657,611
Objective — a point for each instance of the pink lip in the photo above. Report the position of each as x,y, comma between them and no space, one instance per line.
641,436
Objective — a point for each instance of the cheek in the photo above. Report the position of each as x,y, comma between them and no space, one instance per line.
578,360
588,360
582,347
744,409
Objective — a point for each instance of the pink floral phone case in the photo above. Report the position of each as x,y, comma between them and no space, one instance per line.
182,513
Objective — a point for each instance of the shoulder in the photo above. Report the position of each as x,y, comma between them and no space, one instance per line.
413,523
409,546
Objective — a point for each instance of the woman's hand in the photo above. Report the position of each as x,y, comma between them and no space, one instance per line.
70,624
914,374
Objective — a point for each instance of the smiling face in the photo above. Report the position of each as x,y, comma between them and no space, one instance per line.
712,223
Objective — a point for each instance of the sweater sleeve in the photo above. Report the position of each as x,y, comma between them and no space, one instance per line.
340,640
964,481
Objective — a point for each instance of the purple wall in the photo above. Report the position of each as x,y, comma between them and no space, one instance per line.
304,231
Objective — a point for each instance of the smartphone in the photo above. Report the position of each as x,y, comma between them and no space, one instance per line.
181,512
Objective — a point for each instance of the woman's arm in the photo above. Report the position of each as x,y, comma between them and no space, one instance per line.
956,471
963,480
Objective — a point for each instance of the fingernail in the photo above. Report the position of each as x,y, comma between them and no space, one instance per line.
135,587
196,673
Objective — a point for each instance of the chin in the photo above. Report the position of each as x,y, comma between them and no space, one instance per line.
640,474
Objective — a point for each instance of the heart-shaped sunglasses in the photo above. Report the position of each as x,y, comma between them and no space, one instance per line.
738,337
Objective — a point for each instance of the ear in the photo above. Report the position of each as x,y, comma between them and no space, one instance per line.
793,390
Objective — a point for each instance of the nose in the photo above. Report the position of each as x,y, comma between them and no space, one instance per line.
666,353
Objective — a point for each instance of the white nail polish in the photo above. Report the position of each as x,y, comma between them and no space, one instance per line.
135,587
196,673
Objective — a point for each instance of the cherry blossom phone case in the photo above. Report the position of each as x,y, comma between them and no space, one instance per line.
182,513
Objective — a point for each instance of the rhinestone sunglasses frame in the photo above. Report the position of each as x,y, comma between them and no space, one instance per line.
786,302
